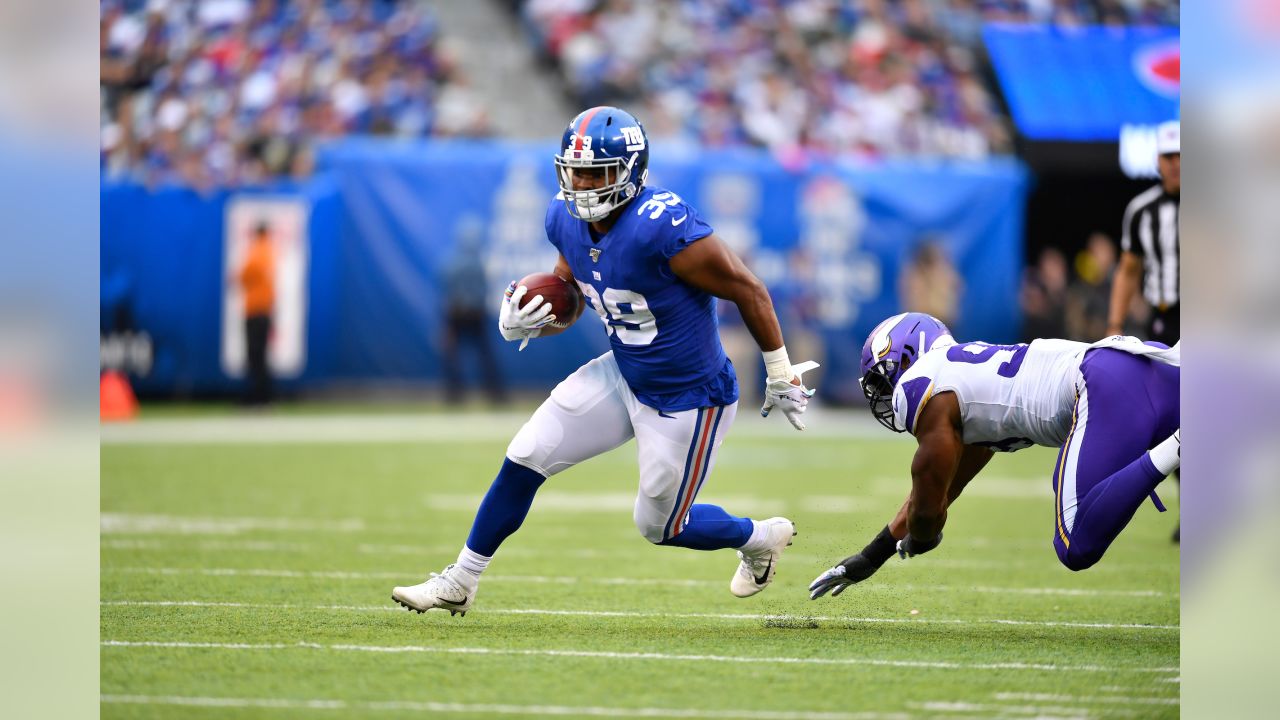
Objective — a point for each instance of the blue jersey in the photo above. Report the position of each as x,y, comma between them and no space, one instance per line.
664,333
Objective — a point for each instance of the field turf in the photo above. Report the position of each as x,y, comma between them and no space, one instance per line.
247,564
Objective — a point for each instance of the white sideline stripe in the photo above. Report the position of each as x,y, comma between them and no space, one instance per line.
523,710
1117,699
342,647
638,614
541,579
120,523
427,426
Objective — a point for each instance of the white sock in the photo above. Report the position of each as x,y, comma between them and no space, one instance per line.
472,562
759,538
1167,456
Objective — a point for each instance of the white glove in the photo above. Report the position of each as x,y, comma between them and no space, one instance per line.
522,323
793,399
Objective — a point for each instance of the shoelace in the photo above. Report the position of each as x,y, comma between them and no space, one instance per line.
448,582
755,564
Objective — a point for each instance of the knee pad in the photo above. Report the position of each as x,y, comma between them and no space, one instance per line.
533,446
649,525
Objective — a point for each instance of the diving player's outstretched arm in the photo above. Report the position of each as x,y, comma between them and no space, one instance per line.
972,461
933,469
712,267
933,490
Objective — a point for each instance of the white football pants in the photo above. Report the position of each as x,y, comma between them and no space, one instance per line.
593,411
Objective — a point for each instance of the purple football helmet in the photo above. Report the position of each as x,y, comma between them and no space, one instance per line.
890,349
602,138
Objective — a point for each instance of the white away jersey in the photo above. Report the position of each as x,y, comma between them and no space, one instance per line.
1011,396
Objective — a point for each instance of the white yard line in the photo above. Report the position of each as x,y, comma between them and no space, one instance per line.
669,582
110,523
656,614
207,546
521,710
1039,712
1068,592
170,545
1087,699
643,656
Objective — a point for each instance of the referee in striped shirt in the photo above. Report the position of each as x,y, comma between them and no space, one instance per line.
1149,247
1149,251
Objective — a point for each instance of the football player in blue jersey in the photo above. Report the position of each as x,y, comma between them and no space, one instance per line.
1111,409
651,268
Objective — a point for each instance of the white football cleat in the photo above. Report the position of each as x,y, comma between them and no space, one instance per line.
757,569
452,589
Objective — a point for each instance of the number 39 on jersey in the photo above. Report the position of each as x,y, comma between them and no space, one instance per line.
624,313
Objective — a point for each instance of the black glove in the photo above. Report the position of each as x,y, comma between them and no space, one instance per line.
910,547
854,568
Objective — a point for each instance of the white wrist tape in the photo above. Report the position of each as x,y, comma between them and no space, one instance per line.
777,365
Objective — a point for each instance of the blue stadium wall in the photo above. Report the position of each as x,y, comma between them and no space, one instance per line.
384,219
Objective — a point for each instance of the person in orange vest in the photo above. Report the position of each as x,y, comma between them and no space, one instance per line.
257,277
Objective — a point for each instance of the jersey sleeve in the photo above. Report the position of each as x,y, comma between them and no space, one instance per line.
916,386
677,225
909,399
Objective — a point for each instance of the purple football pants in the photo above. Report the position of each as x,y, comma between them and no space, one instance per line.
1127,405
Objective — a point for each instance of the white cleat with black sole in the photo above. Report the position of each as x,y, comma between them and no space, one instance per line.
452,589
757,569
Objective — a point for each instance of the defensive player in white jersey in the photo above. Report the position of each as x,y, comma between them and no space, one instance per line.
1111,408
652,270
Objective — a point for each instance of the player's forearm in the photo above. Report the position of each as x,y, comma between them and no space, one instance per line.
758,315
898,526
971,463
1121,293
925,519
1123,288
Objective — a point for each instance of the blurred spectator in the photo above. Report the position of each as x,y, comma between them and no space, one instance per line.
862,77
1044,297
257,278
228,92
467,316
930,284
1090,292
1089,295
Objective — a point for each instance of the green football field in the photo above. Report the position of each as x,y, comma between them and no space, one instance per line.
247,564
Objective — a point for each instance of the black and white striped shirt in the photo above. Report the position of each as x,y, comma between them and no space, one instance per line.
1151,232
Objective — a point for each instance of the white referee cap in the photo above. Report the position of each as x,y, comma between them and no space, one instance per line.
1169,138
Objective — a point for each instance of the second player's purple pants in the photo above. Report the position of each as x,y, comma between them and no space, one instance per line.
1127,405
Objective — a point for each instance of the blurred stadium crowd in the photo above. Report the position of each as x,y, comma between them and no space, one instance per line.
230,92
866,77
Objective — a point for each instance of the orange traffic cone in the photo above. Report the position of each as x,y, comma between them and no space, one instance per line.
115,398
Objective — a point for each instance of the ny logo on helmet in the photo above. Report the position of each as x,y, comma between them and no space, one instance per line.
634,138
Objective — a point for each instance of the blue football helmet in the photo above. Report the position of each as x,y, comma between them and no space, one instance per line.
890,349
609,138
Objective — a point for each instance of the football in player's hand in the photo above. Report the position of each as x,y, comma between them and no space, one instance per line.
565,298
